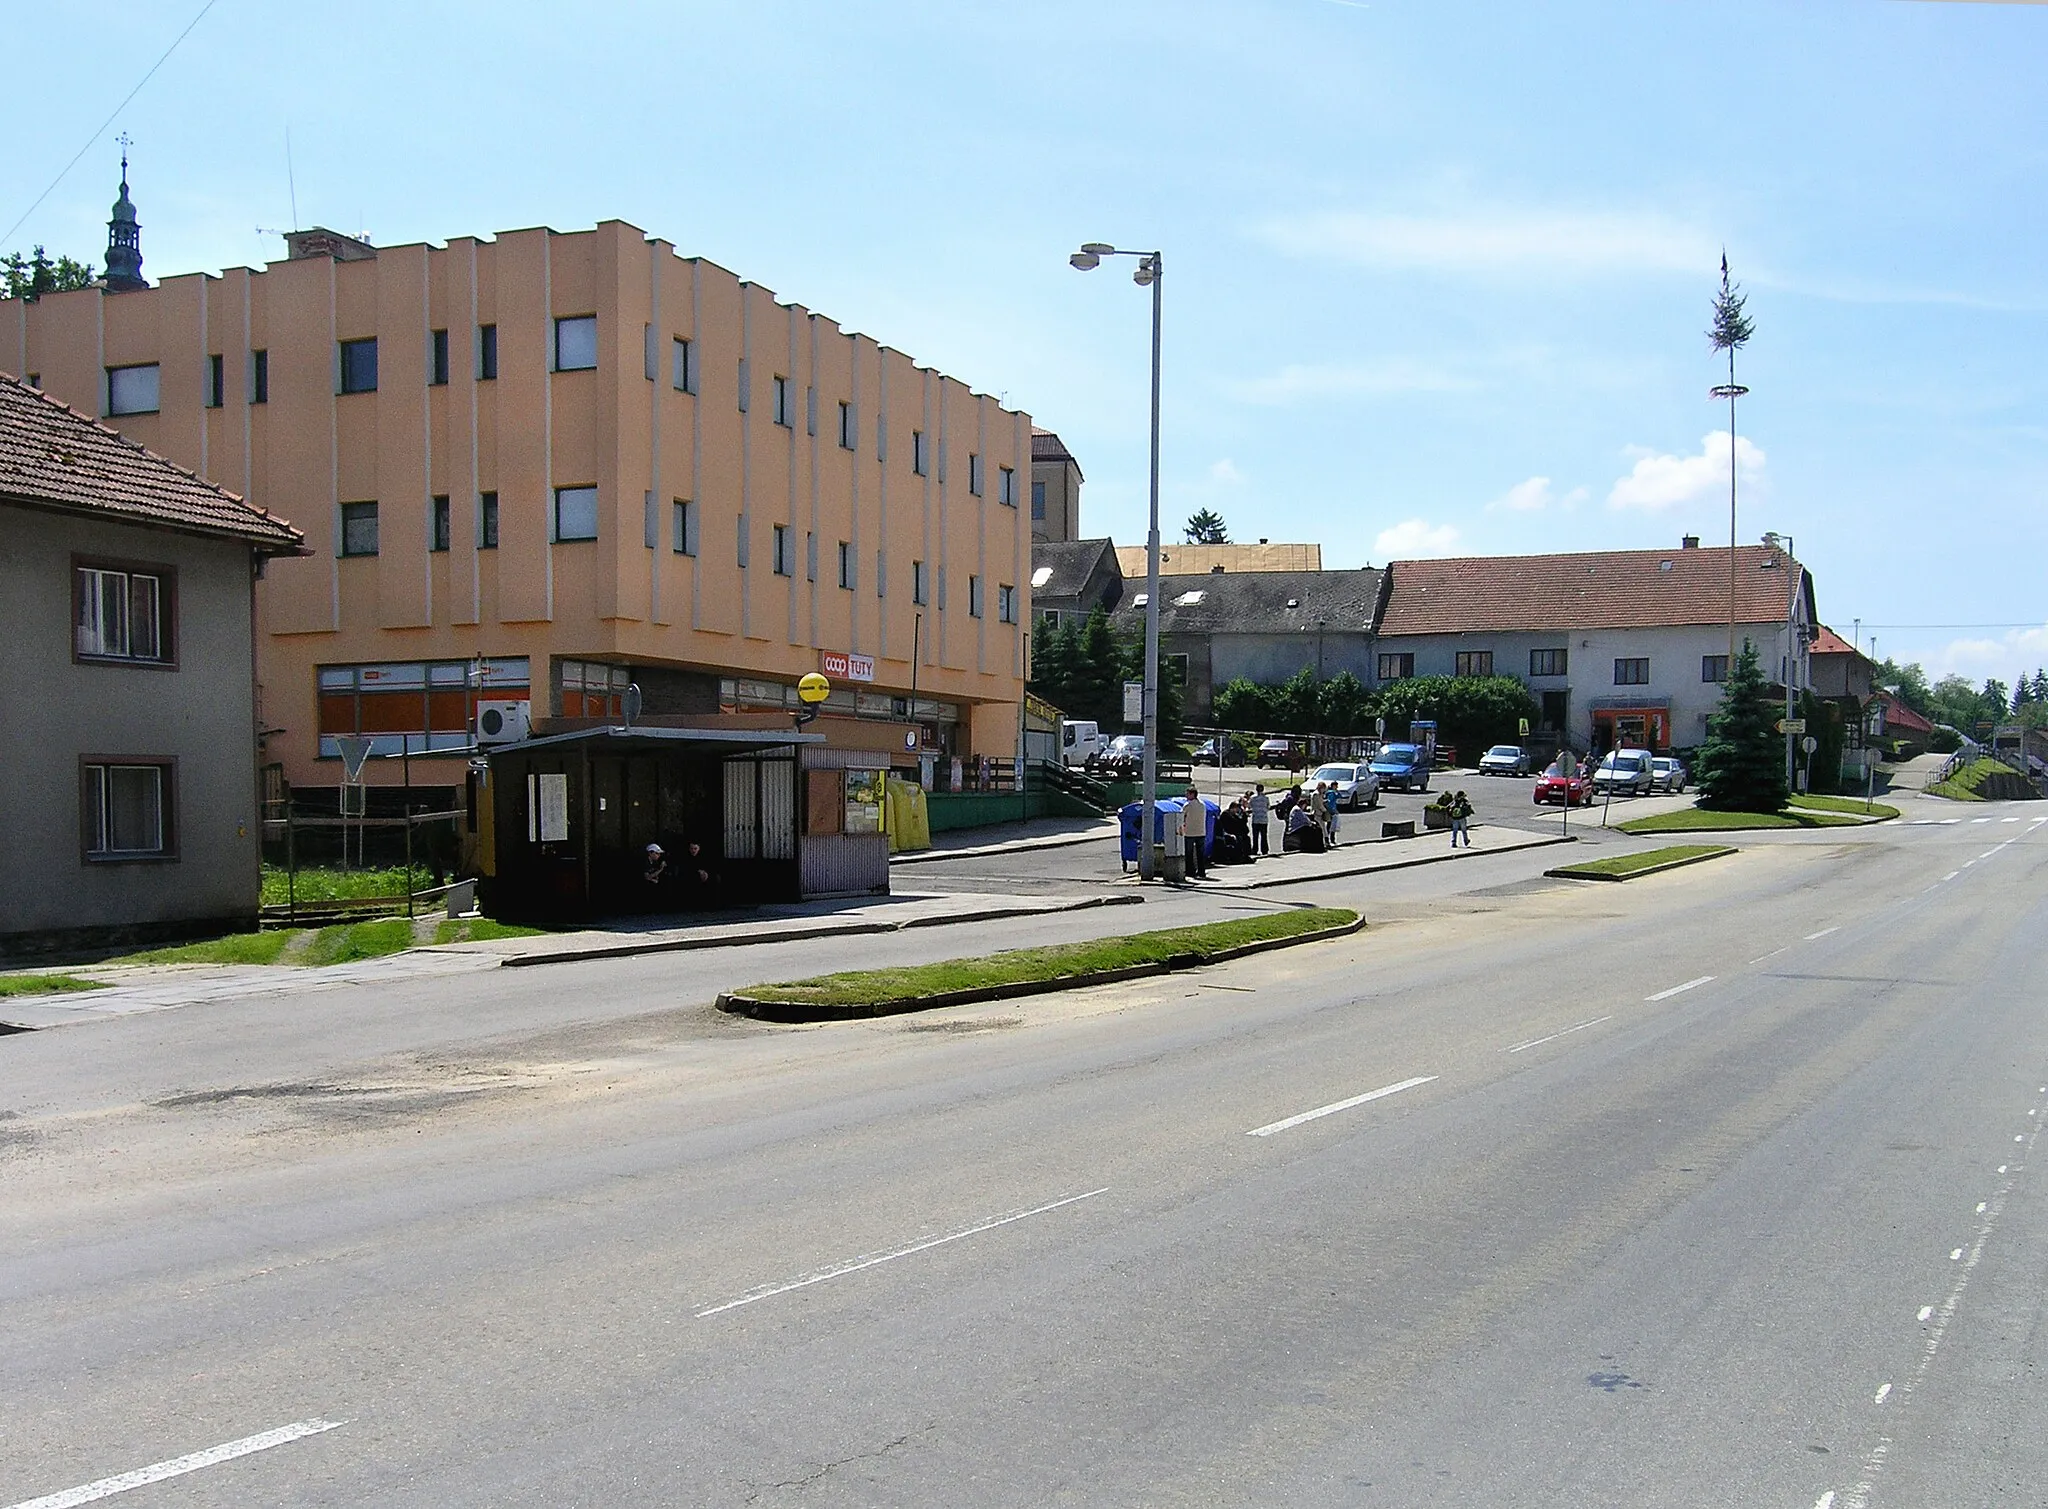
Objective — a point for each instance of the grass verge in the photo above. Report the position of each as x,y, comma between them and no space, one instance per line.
1983,781
1853,805
1621,866
351,942
1699,820
883,988
235,948
480,930
42,985
316,885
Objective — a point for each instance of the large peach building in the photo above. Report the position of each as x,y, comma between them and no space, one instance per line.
537,468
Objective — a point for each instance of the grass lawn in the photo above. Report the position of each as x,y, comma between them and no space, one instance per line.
41,985
235,948
885,987
1649,859
349,942
1967,784
1699,820
338,885
1852,805
480,930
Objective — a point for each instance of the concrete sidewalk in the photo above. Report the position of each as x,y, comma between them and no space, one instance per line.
1037,833
1367,857
156,987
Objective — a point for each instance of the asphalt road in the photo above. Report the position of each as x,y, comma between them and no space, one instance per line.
1714,1188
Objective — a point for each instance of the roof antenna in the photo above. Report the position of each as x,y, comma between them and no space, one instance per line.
291,179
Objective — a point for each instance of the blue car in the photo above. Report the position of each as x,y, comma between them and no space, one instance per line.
1402,765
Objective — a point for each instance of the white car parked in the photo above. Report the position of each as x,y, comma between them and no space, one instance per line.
1357,787
1625,771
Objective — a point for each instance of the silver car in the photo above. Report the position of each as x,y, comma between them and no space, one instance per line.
1667,774
1624,771
1357,787
1504,759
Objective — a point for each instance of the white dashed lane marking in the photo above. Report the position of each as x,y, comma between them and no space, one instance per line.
1665,995
177,1467
1339,1105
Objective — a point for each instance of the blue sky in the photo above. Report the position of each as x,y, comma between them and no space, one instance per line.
1437,273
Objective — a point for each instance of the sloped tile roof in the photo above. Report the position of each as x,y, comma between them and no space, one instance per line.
1898,715
1828,642
52,456
1065,566
1608,589
1260,602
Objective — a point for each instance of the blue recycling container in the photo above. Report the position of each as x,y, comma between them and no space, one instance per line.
1130,820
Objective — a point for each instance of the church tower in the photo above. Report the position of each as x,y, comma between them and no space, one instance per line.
124,241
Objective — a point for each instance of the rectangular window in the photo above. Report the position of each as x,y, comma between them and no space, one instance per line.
1396,667
1037,501
125,810
785,552
685,527
810,411
849,428
592,689
132,390
650,363
1713,668
1632,672
259,377
1547,662
846,565
1006,487
682,375
437,359
783,414
1006,604
487,521
216,382
576,513
123,613
441,523
881,437
974,473
810,556
435,702
974,597
746,391
486,352
942,465
740,540
881,574
940,599
1475,662
650,522
359,365
920,583
576,343
359,529
920,460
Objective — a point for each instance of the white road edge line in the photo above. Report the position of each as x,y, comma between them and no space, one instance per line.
178,1466
1665,995
869,1260
1824,932
1537,1042
1340,1105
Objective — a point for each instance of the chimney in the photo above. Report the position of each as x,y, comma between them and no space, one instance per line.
1689,542
1215,571
322,242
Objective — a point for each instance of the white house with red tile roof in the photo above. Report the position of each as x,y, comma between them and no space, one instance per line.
1618,646
128,687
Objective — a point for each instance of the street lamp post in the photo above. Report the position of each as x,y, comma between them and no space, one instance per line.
1150,272
1784,542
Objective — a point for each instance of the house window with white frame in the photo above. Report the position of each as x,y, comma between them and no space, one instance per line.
123,613
126,810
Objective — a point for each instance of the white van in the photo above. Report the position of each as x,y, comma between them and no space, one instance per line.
1080,741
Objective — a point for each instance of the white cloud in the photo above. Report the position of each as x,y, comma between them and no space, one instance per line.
1415,537
1537,494
2018,650
1225,472
1354,380
1659,481
1491,241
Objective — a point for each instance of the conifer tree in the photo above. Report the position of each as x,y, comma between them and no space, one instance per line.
1741,767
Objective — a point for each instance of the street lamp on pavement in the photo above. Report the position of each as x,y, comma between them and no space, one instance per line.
1777,541
1149,274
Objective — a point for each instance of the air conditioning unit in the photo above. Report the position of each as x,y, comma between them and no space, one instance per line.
501,722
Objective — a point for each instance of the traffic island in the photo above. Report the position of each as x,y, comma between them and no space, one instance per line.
1636,866
1032,971
1701,820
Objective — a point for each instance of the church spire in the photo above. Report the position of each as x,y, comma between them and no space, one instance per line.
124,238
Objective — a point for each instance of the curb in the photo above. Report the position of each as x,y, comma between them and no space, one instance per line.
833,930
795,1012
1398,864
1669,864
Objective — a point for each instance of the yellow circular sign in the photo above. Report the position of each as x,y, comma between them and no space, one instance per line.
813,689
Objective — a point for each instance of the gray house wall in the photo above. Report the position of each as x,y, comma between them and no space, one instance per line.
1675,656
56,712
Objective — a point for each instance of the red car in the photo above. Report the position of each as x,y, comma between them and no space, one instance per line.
1566,791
